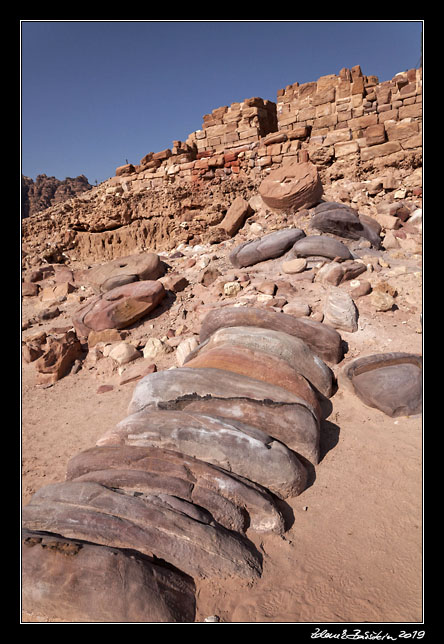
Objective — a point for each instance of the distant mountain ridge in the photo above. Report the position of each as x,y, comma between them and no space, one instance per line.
46,191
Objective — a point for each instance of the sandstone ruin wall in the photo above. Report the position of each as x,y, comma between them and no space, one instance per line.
329,119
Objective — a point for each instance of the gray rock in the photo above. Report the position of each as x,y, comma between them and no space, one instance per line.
324,341
145,523
268,247
232,445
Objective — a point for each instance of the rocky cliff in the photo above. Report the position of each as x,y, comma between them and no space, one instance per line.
46,191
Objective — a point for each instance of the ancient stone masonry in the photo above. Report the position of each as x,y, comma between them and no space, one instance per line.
325,120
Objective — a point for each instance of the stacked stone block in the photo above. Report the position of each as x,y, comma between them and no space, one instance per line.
235,126
355,113
341,115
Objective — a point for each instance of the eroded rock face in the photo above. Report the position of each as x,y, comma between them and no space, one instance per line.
232,445
154,525
391,382
234,502
291,187
268,247
294,351
119,307
124,270
344,221
324,341
65,580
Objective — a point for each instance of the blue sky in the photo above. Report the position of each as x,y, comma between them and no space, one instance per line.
95,93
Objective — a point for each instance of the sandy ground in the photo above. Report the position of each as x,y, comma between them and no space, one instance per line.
353,550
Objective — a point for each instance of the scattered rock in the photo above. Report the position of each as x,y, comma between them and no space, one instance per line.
320,245
322,339
391,382
184,349
175,283
294,265
231,289
359,288
136,372
123,352
340,311
125,270
103,389
344,221
382,301
235,218
58,356
118,308
154,348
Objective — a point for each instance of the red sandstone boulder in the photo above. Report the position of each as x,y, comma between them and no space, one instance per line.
119,307
224,394
268,247
234,502
322,339
124,270
229,444
257,364
291,187
64,580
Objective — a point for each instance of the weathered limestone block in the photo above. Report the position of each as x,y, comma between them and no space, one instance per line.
320,245
294,351
124,270
268,247
119,307
229,395
232,445
340,310
291,187
339,219
324,341
390,382
150,524
234,502
65,580
259,365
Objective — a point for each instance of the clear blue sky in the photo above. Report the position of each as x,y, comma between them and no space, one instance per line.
95,93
